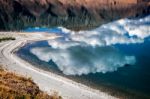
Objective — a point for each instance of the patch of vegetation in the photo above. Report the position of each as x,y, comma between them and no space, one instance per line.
6,38
13,86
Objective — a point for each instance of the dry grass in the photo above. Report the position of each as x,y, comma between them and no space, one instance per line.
13,86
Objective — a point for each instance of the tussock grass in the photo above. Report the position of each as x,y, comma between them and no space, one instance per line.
13,86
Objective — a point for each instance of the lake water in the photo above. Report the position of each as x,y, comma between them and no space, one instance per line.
114,57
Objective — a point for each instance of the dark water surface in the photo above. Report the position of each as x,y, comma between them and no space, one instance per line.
129,80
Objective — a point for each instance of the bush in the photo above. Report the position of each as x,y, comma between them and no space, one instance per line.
6,38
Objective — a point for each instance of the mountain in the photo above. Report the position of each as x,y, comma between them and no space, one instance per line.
20,14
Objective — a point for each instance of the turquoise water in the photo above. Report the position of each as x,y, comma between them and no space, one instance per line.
114,57
42,29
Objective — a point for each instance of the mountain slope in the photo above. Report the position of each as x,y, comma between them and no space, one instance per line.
19,14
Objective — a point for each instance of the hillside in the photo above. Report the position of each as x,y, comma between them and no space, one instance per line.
19,14
13,86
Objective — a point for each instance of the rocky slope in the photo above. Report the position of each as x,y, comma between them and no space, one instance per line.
19,14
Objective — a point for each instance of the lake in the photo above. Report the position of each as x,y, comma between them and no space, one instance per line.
114,57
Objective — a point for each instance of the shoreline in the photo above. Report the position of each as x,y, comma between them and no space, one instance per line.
45,80
115,91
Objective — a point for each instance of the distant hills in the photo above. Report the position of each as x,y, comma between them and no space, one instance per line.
20,14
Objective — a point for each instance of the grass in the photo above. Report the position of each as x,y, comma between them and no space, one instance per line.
6,38
13,86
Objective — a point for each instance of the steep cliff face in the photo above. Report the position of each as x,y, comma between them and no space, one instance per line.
19,14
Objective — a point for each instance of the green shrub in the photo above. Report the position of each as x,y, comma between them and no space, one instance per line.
6,38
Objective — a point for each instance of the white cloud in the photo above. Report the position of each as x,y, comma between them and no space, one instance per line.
83,60
84,52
